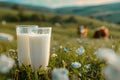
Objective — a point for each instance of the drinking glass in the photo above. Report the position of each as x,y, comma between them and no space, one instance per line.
40,48
23,32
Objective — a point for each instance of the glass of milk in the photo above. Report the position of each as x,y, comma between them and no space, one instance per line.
40,48
23,32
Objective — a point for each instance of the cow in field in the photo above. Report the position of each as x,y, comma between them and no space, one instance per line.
82,31
101,32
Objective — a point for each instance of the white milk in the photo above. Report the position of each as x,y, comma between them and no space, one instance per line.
39,50
23,49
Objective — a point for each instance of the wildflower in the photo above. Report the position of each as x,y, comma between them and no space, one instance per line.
79,41
113,46
6,63
85,70
13,53
55,43
71,49
12,50
80,50
53,49
60,74
76,64
87,66
112,70
115,62
87,43
111,73
106,54
54,55
80,74
64,49
61,47
119,49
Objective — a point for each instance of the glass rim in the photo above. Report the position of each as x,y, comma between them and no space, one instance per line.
44,28
26,26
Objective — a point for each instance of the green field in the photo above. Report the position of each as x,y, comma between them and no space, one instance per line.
65,36
67,32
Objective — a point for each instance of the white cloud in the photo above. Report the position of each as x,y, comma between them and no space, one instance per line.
83,2
59,3
48,0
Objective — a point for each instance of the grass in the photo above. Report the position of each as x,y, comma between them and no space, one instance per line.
64,59
65,36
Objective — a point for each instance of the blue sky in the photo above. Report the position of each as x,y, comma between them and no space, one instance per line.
61,3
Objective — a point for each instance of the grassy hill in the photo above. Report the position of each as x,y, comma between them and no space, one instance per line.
65,36
67,31
107,12
22,6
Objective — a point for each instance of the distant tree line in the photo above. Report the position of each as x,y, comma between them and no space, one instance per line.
36,17
20,17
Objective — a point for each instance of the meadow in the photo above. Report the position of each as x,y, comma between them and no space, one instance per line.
64,45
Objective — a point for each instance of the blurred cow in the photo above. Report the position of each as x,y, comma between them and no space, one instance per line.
82,31
101,32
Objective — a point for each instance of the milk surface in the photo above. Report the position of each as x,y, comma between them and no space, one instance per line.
23,49
39,50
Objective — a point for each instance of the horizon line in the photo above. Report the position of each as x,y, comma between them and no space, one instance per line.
64,6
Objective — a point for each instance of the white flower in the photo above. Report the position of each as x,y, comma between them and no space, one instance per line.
119,49
54,55
6,63
80,74
60,74
87,66
12,50
111,73
112,70
115,63
79,41
113,46
85,70
106,54
80,50
55,43
76,64
61,46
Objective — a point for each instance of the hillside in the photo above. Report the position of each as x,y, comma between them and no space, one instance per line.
68,29
107,12
65,43
25,7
